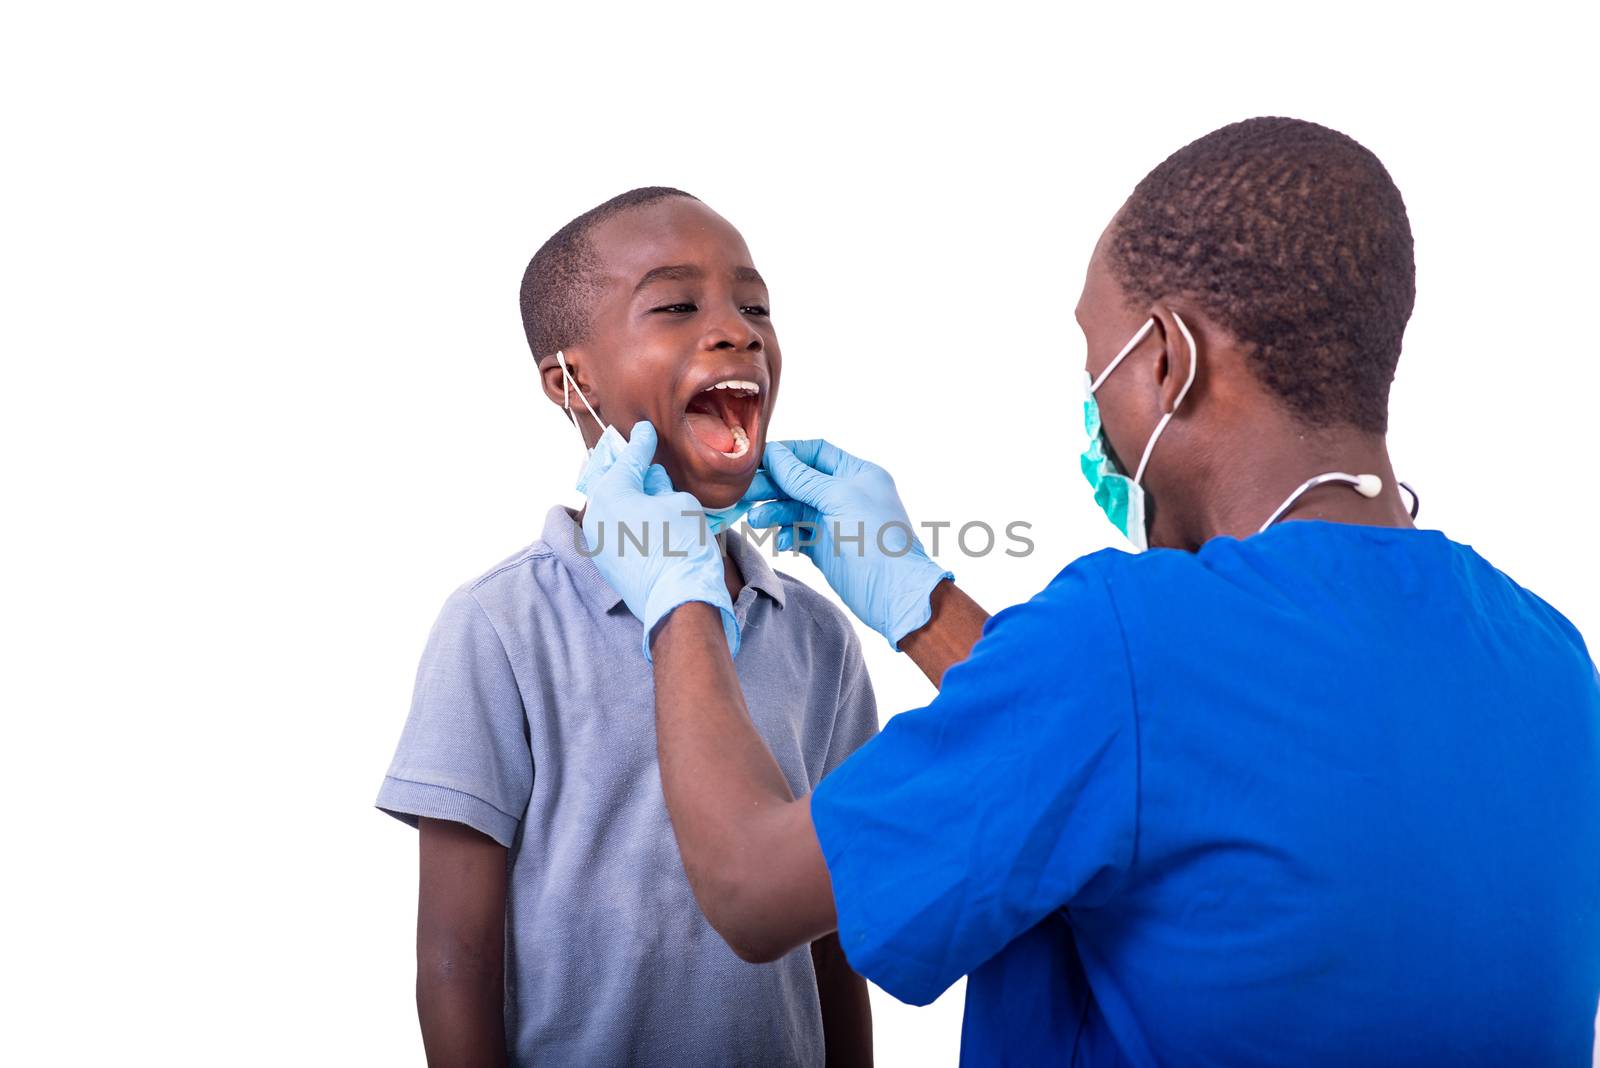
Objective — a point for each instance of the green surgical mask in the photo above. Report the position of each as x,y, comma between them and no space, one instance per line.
1121,498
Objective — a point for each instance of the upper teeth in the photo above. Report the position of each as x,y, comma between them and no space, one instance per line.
736,384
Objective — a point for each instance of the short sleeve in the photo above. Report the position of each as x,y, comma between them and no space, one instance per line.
463,755
1012,795
855,722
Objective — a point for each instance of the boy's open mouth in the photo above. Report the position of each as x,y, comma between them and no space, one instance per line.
723,417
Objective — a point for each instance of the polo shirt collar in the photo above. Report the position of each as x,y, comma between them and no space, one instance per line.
752,564
566,540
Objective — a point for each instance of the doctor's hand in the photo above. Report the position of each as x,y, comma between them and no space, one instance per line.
650,542
843,512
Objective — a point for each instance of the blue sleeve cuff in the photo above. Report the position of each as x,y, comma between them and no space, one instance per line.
864,943
409,801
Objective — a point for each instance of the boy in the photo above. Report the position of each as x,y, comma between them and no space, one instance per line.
555,924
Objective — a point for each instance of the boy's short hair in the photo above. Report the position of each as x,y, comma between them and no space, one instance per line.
1295,239
563,278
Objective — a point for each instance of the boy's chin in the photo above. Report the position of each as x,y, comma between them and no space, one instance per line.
713,489
716,495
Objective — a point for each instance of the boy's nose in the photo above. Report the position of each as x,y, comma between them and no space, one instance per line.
732,331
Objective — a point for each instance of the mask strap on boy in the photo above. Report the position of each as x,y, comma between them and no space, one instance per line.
569,385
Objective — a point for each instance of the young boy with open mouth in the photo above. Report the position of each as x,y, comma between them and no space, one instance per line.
555,924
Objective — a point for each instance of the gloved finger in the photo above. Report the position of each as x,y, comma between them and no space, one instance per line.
786,539
657,481
762,488
635,457
824,455
780,514
795,478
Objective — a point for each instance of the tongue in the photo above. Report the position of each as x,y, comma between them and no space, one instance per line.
711,431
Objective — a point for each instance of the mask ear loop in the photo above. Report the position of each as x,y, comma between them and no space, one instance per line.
1144,331
566,398
1194,365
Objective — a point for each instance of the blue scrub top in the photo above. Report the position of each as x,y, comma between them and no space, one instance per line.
1326,796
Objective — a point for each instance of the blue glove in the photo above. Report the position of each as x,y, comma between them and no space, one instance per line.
680,561
859,536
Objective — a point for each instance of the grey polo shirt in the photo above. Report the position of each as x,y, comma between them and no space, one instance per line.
533,721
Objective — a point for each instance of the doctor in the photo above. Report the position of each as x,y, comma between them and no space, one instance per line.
1301,785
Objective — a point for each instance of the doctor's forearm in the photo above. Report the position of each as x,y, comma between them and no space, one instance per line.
846,1006
950,633
748,848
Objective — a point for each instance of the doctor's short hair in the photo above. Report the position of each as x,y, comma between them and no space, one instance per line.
565,275
1295,239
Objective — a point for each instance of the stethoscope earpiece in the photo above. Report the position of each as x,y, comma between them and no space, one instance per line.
1369,485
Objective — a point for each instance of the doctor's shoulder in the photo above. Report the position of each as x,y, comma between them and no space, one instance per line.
1498,594
1103,594
1118,568
1078,600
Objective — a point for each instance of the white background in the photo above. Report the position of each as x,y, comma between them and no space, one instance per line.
267,399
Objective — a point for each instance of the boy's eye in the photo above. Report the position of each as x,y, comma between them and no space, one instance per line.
756,309
678,309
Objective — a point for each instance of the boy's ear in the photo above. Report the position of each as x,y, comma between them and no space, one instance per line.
551,379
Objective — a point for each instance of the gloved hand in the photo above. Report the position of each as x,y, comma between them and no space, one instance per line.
861,538
680,561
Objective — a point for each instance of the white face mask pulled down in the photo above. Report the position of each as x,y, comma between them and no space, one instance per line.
610,445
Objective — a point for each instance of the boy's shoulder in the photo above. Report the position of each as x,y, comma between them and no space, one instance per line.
812,603
497,580
549,571
811,610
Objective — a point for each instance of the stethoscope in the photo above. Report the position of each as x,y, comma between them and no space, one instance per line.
1367,485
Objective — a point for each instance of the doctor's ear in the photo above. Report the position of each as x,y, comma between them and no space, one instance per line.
1178,362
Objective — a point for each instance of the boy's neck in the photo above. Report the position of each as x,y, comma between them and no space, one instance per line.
730,570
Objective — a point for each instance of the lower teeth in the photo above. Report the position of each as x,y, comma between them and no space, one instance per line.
741,444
